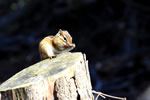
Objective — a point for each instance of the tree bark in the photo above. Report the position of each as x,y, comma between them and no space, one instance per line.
65,77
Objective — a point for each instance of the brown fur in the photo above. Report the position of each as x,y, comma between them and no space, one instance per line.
50,46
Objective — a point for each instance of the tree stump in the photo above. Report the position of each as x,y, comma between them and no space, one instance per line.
65,77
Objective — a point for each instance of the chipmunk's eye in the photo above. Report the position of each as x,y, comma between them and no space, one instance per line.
65,39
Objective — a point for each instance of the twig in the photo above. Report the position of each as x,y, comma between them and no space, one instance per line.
103,95
96,97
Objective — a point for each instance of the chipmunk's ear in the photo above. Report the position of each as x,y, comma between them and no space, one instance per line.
60,30
58,34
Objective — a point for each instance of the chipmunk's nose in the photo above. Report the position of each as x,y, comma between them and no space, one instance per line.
73,45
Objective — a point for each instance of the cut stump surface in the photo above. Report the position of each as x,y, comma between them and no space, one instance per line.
65,77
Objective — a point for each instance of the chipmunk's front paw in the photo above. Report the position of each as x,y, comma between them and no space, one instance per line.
52,57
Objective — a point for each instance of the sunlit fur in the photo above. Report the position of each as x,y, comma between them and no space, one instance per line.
50,46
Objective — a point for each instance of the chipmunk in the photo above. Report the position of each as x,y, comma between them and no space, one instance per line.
51,46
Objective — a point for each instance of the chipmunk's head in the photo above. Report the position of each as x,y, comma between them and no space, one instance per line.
63,41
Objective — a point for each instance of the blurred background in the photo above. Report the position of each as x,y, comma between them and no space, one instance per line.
113,34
